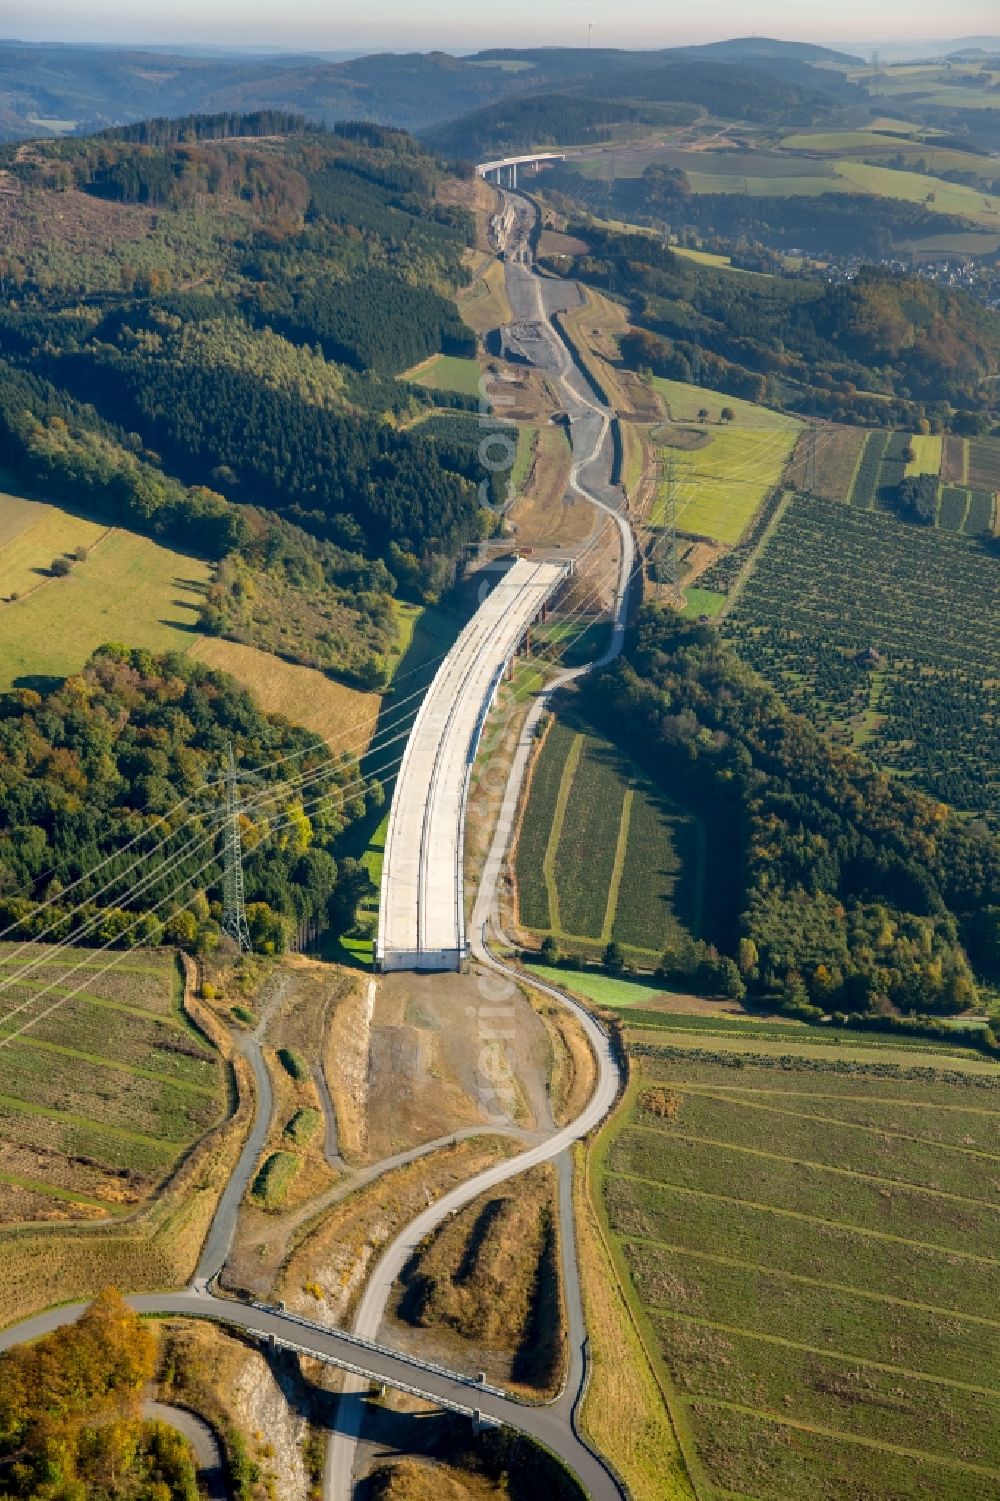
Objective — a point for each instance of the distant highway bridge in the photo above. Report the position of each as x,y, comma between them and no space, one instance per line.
422,907
510,164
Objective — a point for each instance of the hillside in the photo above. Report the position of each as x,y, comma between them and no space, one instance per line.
853,893
758,48
205,324
130,752
652,90
59,89
882,348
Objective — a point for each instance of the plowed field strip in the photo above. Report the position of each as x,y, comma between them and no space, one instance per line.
791,1344
809,1219
712,1093
841,1437
834,1287
822,1167
112,1063
25,1107
555,832
619,866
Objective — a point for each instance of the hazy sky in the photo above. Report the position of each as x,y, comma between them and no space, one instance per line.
390,25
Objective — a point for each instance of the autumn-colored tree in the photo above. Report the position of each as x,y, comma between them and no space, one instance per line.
71,1426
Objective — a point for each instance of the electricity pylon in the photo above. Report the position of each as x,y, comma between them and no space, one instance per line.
665,554
234,912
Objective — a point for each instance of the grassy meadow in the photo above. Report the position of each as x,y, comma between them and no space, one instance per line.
446,372
126,588
32,536
684,402
345,717
883,159
917,187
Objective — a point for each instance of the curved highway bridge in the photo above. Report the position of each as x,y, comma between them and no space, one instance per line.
422,907
510,164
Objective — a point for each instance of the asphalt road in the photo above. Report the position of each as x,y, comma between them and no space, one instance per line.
223,1227
207,1449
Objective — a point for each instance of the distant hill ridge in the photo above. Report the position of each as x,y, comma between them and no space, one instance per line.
76,89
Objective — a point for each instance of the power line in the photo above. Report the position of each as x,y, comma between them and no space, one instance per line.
91,976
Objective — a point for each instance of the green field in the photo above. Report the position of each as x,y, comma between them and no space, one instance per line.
720,487
792,185
926,454
703,257
814,163
972,242
811,1251
698,602
601,855
839,142
864,144
32,536
708,258
447,372
107,1089
915,187
685,401
604,989
128,588
649,1011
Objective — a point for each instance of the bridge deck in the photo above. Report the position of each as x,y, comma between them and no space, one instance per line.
520,161
421,916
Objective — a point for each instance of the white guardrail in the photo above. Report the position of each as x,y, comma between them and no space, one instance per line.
485,1420
386,1350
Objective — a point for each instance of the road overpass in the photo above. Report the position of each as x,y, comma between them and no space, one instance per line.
422,907
486,1406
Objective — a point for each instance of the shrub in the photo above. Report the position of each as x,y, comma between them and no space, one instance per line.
245,1015
293,1063
275,1178
303,1126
